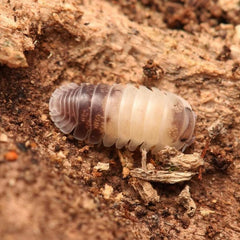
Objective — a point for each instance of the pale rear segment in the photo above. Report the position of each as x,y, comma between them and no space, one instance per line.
59,107
125,115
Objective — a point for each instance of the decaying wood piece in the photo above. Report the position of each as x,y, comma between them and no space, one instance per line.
161,176
176,167
187,202
175,160
145,190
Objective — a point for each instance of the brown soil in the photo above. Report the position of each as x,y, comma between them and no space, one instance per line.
52,191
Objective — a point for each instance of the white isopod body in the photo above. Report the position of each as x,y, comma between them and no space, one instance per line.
124,115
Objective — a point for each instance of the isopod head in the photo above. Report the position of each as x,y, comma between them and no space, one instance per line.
184,119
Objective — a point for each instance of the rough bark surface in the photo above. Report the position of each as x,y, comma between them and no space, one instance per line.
49,186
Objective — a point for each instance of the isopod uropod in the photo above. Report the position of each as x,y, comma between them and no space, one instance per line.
123,115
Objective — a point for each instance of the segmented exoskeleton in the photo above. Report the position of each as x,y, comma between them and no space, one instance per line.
123,115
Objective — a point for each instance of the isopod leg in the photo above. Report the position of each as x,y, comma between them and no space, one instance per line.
187,144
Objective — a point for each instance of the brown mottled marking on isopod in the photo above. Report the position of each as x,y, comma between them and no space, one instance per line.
178,119
97,113
123,115
190,126
83,107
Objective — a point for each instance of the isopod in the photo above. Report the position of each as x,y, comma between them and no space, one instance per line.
123,115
